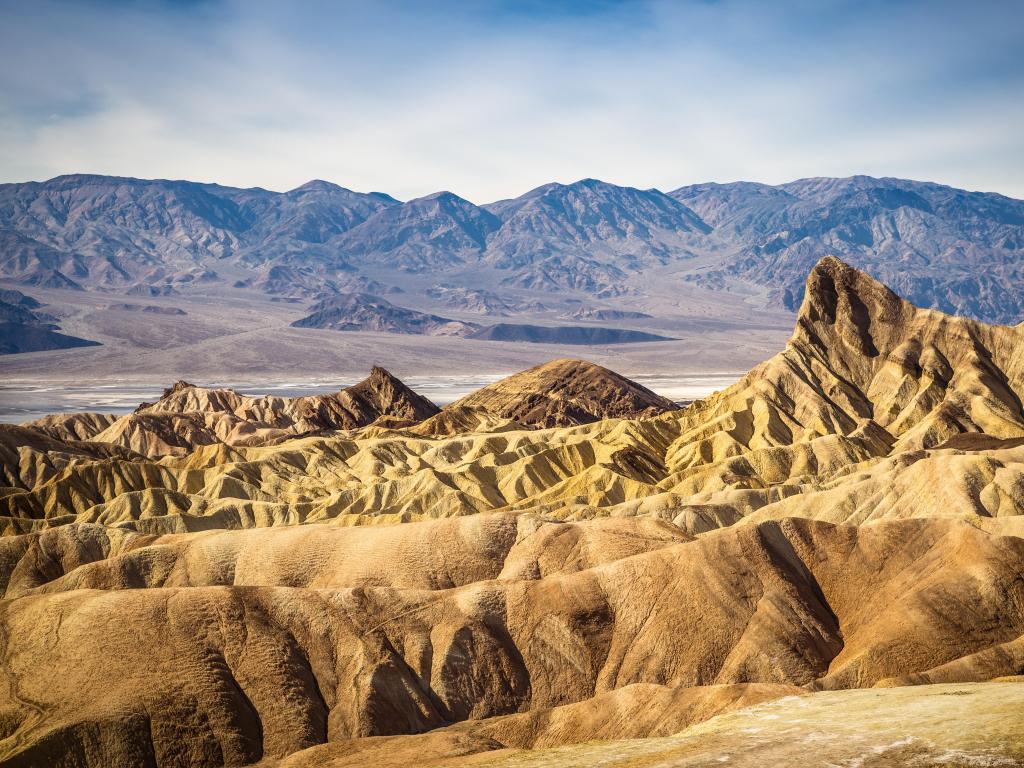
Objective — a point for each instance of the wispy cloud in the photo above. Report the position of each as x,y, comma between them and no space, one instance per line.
490,99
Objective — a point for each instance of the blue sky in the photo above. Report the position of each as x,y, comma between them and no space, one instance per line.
491,98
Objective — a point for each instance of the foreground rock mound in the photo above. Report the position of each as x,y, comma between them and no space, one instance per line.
252,644
892,728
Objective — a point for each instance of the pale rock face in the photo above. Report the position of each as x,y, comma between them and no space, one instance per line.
361,578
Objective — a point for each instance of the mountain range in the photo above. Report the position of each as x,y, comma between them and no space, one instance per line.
944,248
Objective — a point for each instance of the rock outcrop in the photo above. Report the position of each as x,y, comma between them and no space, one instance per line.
566,392
187,416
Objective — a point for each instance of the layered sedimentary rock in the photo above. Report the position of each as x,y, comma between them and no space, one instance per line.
854,420
251,644
187,417
847,515
73,426
566,392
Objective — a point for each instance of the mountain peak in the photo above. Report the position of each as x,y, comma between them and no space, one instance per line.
379,374
834,287
319,185
443,196
857,326
565,392
389,396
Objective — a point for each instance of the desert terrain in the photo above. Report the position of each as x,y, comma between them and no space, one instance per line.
822,563
229,334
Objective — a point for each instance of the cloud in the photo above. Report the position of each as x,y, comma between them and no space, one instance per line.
491,99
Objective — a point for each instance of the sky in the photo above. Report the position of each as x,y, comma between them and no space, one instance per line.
489,99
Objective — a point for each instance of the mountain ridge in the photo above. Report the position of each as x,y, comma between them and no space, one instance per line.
943,247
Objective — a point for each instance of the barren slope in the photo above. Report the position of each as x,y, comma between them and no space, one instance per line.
275,665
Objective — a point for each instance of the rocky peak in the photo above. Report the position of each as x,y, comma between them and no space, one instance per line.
384,394
847,306
318,185
566,392
861,351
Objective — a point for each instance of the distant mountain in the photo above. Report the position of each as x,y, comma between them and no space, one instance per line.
112,231
605,315
148,309
478,300
363,312
440,229
312,213
942,247
25,337
309,281
119,233
23,328
588,235
16,307
956,251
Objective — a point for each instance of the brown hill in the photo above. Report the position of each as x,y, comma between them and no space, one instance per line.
566,392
